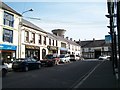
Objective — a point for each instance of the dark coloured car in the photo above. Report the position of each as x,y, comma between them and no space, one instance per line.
50,60
25,64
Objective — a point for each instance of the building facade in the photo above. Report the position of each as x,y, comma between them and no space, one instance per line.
9,29
92,49
33,41
20,38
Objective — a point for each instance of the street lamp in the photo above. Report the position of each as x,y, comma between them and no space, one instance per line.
27,11
19,33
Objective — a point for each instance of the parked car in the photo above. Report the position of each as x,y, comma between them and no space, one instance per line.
77,57
26,64
64,58
104,58
9,64
50,60
3,68
74,57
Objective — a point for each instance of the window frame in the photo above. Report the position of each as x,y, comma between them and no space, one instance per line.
8,19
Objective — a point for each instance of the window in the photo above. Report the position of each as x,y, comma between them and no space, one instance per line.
63,45
8,19
33,38
8,35
26,36
40,39
56,43
53,42
49,41
45,40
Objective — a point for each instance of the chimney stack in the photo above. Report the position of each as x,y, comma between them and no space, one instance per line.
67,38
71,39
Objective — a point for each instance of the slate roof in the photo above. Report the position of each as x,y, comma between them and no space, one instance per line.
31,25
6,7
93,43
62,39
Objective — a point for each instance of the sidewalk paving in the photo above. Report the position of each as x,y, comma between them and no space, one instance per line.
102,77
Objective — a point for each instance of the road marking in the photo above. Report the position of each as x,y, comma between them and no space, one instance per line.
86,76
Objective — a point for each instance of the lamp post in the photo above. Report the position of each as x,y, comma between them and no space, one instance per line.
19,33
118,30
111,16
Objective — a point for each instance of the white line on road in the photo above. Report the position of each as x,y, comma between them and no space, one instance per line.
86,76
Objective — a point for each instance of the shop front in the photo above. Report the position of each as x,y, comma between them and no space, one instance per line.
32,51
8,52
63,50
52,49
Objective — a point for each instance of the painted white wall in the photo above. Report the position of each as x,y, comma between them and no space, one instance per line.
15,29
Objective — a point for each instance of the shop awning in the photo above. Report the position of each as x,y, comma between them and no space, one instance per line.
7,47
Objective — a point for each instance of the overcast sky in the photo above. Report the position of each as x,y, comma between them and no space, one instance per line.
81,19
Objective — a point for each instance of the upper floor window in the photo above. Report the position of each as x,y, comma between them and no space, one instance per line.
40,39
53,42
7,35
33,37
63,45
49,41
56,43
44,40
26,36
8,19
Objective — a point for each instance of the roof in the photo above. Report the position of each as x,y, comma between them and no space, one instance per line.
6,7
93,43
62,39
31,25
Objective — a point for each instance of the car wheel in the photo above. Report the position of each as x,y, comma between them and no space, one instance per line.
4,72
39,66
26,68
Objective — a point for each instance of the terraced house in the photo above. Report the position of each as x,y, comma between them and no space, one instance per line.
33,40
9,30
20,38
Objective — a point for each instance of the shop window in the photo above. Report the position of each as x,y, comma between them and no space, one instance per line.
40,39
8,35
8,19
43,53
26,36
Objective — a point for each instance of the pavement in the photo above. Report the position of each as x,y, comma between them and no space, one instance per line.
101,77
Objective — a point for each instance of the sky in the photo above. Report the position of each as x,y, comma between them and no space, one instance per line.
81,19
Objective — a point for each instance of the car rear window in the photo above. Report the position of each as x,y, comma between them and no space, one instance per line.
49,56
62,56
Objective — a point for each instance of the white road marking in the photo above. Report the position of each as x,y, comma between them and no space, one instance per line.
86,76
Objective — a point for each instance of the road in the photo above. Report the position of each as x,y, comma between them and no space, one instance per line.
62,76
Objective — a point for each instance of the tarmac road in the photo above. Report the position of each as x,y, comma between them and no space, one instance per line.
68,75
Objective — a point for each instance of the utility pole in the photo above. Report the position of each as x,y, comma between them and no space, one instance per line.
118,30
111,12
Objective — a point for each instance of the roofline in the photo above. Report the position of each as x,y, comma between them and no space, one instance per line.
10,9
34,28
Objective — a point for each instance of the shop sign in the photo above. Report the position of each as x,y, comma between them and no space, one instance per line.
63,49
52,48
32,47
7,47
